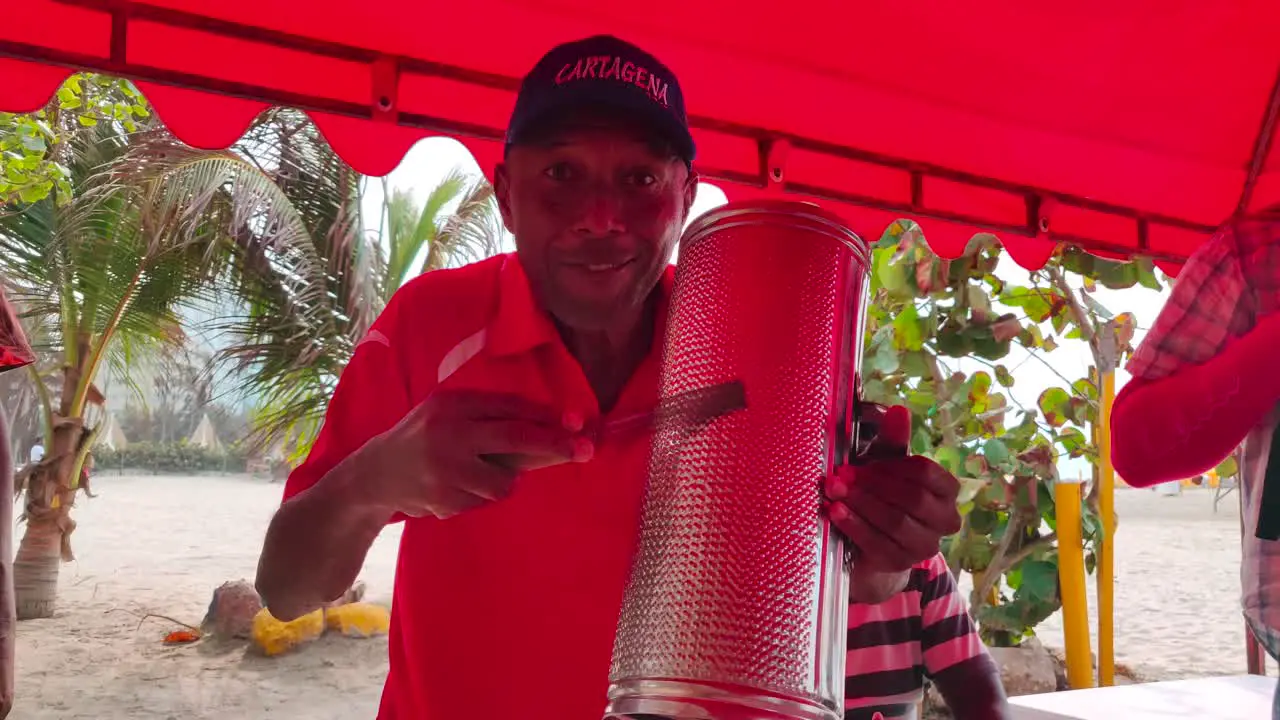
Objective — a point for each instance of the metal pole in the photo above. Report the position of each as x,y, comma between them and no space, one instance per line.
1075,602
1107,555
1255,656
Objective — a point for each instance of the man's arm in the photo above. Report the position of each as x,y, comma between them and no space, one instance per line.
1205,374
972,689
1185,424
954,656
872,588
317,541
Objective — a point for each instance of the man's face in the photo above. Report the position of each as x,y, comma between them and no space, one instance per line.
596,210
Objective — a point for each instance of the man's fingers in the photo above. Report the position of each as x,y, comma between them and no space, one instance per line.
872,546
885,537
446,501
455,501
913,472
937,514
482,405
486,479
524,463
914,540
521,437
895,428
892,427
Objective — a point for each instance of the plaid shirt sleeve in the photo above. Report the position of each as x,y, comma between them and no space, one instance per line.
1211,303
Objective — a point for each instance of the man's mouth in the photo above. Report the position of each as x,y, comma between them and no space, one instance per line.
603,267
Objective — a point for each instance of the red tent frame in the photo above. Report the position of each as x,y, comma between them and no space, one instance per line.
1039,218
955,201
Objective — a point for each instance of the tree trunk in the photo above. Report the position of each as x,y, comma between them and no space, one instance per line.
35,570
8,618
46,543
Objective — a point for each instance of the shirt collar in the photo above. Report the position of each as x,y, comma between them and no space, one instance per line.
521,324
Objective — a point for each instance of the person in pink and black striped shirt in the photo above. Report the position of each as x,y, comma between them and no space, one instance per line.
924,631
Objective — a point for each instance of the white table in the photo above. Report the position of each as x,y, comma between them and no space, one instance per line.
1243,697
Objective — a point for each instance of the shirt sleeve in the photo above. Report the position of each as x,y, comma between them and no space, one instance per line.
1211,303
15,351
948,635
372,395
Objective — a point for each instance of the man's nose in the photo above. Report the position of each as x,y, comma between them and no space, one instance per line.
601,212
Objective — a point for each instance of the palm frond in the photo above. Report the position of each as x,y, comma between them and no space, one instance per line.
402,215
472,232
306,278
412,230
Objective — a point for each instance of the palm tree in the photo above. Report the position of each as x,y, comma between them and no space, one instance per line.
435,235
293,372
151,227
311,271
101,275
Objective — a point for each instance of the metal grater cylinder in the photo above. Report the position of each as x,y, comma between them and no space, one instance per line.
737,605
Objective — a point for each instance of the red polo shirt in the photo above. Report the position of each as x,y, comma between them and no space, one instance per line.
507,611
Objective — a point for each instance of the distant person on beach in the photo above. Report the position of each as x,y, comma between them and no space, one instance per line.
15,352
470,409
923,632
1206,379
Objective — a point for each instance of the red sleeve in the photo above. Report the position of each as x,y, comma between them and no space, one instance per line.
15,351
1205,374
371,397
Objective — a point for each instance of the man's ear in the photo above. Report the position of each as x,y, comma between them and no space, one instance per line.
690,191
502,193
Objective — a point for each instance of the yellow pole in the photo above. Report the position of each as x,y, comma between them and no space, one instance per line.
1075,603
1107,555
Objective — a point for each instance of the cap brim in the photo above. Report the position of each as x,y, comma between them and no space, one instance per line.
568,103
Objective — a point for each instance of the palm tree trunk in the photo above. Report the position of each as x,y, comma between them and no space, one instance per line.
45,546
35,569
8,618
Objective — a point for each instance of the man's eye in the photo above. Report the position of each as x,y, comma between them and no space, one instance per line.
642,178
559,171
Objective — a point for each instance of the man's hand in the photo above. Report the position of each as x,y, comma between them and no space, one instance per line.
461,449
895,508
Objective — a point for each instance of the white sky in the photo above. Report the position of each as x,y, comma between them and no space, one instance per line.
431,159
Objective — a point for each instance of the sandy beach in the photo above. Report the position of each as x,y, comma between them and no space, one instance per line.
156,544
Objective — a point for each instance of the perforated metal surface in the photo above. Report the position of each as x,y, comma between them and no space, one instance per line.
727,586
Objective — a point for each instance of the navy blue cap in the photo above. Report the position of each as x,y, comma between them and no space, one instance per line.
603,71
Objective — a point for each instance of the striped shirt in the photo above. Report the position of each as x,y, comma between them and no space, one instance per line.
894,645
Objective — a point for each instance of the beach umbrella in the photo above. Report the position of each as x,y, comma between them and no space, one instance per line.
111,436
1122,127
204,435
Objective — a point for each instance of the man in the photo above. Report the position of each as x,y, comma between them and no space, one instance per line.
924,631
470,409
1204,381
15,352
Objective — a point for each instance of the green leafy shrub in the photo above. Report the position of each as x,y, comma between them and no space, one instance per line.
928,318
172,458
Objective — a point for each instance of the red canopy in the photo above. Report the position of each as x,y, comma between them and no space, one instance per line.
1127,127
